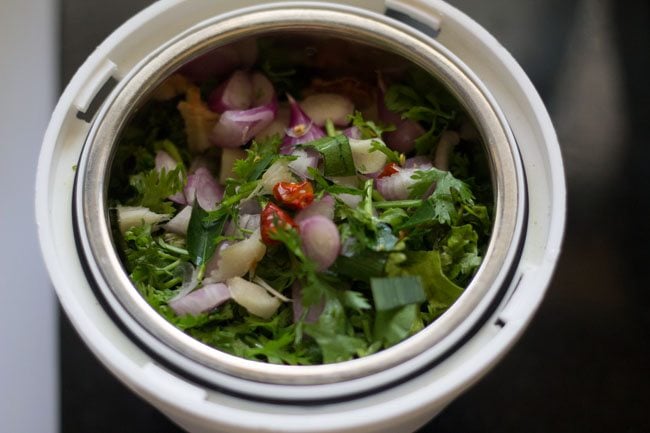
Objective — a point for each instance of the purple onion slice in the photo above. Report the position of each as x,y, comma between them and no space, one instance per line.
320,240
203,188
236,93
237,127
301,128
202,300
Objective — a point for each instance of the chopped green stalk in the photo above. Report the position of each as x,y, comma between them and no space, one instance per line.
362,267
393,292
330,130
398,203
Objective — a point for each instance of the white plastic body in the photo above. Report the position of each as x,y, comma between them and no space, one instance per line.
401,408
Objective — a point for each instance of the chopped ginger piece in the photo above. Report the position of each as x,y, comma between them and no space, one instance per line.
172,87
199,121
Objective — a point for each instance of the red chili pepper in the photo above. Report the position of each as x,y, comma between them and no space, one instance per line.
294,196
272,218
390,169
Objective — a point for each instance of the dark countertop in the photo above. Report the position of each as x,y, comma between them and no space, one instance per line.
584,362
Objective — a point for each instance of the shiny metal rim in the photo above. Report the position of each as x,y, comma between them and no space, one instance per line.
94,169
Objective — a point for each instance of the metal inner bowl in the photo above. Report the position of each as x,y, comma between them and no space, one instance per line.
368,33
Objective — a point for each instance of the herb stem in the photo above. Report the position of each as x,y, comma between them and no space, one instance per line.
172,248
398,203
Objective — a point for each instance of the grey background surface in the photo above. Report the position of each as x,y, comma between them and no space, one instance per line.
584,363
28,332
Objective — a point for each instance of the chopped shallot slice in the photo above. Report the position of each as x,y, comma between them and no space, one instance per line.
202,300
320,240
203,188
396,186
301,128
236,93
236,127
323,207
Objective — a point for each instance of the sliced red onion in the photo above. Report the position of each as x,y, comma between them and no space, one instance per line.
352,200
236,93
448,140
406,130
250,206
313,312
321,107
202,300
165,161
306,158
202,161
279,124
320,240
203,188
385,115
249,221
323,207
301,128
180,222
236,128
263,91
352,132
403,138
420,162
396,186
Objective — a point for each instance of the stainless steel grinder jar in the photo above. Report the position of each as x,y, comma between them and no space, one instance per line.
203,389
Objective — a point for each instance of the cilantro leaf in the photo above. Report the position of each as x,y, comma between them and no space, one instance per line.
460,256
154,187
428,266
332,333
368,128
391,155
441,206
149,262
393,326
259,157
